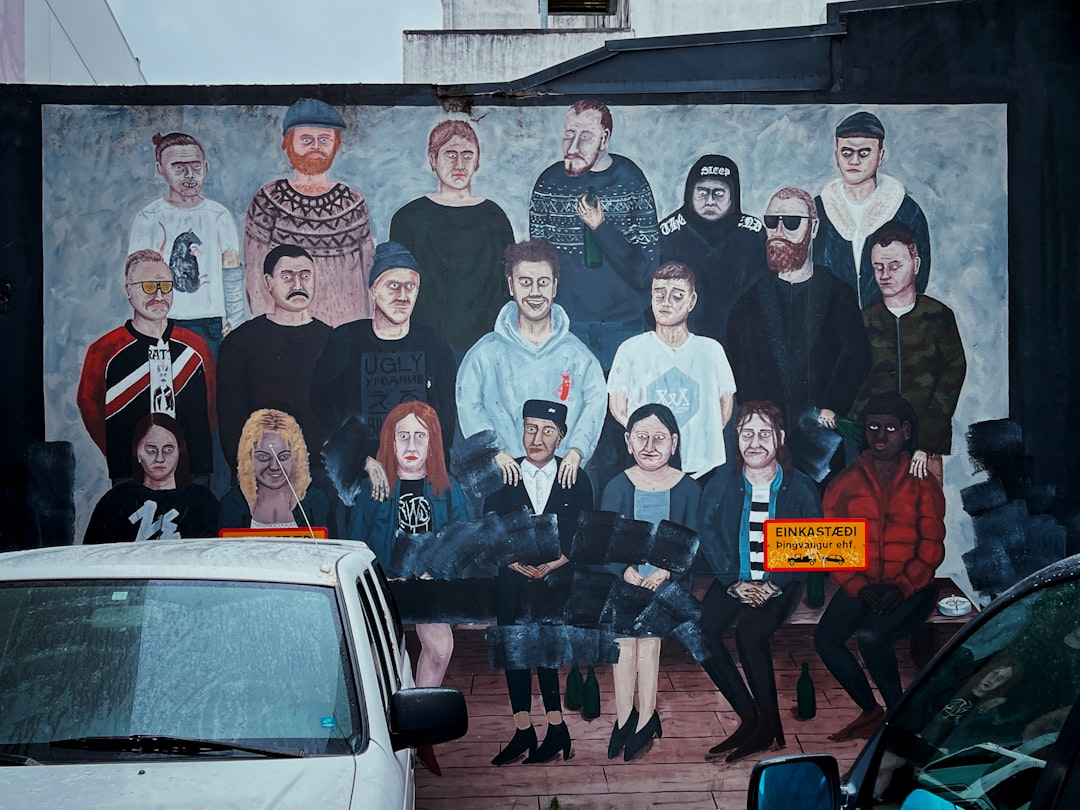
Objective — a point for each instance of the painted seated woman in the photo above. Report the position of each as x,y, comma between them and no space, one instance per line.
760,485
160,502
423,499
274,489
654,488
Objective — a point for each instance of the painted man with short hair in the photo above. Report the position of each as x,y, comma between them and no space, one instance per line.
148,365
604,287
198,238
531,354
269,361
860,201
327,218
916,347
458,239
670,365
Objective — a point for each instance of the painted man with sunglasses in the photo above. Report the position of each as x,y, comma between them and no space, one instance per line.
797,338
860,201
148,365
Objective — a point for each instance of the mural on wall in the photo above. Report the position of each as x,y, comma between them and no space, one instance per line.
449,401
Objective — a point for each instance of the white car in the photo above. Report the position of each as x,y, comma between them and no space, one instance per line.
208,673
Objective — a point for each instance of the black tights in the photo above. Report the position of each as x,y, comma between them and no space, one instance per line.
519,684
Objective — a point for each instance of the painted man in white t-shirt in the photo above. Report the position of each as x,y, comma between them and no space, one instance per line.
198,239
688,373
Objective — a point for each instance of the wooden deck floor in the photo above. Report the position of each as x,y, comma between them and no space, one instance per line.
673,774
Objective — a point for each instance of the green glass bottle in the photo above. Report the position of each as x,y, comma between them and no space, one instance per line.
805,695
815,589
575,686
590,707
594,257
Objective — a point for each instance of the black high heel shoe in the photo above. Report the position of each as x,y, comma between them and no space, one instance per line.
557,739
768,735
748,721
640,741
524,739
619,735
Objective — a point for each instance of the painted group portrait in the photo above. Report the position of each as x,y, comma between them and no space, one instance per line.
571,352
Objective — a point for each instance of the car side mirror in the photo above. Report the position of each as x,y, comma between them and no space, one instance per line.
925,800
806,781
426,716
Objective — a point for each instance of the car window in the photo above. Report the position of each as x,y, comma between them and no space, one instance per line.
379,644
256,663
978,731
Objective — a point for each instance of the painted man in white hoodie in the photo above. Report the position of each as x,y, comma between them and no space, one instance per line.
854,205
532,355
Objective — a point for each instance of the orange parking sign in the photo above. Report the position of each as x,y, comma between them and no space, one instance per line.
815,545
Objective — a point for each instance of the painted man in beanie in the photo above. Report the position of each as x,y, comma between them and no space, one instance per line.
327,218
711,234
371,365
859,202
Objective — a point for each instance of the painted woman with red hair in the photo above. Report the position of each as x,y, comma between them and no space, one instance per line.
423,499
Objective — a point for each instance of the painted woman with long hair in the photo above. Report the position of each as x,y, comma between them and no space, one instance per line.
160,502
423,499
274,490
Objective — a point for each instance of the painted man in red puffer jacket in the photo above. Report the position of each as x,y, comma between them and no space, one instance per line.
905,545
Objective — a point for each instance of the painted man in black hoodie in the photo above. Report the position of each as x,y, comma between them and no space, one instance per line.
724,247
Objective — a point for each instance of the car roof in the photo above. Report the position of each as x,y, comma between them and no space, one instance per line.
291,560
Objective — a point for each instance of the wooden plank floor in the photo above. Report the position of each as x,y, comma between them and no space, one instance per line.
673,774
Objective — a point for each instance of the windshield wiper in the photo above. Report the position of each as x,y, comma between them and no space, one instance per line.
164,744
17,759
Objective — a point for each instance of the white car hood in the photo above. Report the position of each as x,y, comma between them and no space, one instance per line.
327,783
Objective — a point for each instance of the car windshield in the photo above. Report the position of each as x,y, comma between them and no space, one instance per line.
979,730
261,665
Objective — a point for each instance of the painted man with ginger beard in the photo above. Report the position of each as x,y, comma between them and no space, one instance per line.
326,218
796,337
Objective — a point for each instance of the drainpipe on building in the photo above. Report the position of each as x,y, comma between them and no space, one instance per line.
543,13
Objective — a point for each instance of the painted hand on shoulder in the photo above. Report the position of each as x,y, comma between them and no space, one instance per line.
380,486
827,418
918,463
568,469
511,472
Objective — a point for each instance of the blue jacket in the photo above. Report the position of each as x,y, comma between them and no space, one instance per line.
721,525
376,522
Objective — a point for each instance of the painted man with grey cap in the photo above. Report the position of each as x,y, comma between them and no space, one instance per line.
326,218
369,366
859,202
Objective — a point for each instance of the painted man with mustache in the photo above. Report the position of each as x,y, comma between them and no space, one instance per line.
148,365
268,362
796,337
327,218
603,290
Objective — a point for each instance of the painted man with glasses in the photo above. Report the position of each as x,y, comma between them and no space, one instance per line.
148,365
672,366
797,338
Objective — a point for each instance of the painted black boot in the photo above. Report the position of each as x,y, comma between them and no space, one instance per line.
768,735
619,734
524,739
748,720
557,739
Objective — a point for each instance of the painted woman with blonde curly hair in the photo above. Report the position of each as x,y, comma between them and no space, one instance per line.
274,489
